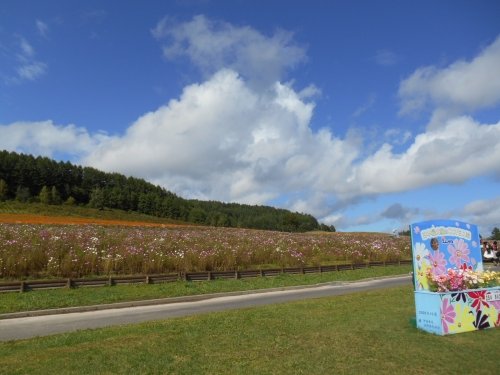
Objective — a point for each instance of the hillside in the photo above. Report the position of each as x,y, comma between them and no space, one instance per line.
12,212
43,181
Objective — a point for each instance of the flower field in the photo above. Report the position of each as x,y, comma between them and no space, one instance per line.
456,280
17,218
47,250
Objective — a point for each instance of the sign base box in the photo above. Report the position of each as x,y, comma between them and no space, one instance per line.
445,313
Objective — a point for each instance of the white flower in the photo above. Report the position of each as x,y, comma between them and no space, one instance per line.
420,253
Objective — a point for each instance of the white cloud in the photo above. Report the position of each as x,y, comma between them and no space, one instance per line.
334,220
220,140
397,136
46,138
484,213
365,107
463,85
31,71
212,46
25,67
42,28
451,154
27,50
309,92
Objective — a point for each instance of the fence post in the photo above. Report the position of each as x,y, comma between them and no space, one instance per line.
110,281
368,264
22,287
209,275
68,283
236,275
320,270
302,270
148,280
336,267
399,262
352,266
261,273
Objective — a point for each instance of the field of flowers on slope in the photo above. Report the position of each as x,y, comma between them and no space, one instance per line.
79,248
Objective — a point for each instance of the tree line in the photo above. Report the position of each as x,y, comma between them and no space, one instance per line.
27,178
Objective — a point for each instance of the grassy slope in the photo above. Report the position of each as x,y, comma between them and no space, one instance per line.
361,333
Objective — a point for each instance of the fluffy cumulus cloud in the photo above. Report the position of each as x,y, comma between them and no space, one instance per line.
483,213
451,154
463,85
46,138
223,140
229,140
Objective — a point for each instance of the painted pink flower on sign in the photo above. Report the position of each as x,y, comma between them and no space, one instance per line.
438,263
447,314
459,252
496,305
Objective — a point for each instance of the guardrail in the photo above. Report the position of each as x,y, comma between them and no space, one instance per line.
29,285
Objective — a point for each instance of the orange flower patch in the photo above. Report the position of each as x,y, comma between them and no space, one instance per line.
65,220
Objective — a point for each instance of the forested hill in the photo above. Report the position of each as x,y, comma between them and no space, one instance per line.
27,178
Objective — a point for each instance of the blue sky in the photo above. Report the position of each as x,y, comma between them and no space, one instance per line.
369,115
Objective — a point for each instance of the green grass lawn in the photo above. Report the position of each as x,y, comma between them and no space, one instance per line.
360,333
85,296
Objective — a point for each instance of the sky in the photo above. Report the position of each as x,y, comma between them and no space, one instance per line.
368,115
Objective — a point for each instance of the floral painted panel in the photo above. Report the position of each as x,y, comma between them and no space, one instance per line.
457,312
440,245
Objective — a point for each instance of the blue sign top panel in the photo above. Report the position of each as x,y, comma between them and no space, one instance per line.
438,245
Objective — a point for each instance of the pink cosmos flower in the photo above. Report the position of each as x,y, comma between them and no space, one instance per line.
465,267
438,263
459,252
447,314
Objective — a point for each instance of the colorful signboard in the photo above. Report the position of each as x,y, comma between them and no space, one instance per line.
441,248
442,244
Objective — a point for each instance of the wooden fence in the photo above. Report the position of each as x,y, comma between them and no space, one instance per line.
28,285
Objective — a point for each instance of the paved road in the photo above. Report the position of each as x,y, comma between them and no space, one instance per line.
27,327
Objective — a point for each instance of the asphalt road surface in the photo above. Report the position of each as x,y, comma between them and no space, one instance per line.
33,326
